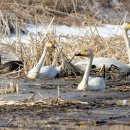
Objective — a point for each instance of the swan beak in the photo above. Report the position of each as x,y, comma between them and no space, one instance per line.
82,53
128,25
51,44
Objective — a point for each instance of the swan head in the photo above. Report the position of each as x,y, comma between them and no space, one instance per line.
51,44
84,53
126,26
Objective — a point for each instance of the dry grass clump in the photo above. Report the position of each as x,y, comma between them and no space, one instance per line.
11,87
67,6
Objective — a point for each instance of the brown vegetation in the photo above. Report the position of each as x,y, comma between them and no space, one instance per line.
69,12
108,47
15,12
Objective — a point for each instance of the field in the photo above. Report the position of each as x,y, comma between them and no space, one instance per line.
56,103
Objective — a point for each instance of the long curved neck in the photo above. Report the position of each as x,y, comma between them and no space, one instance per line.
42,59
0,59
87,71
127,43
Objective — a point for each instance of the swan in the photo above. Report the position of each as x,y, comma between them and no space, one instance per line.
10,66
87,82
41,71
99,62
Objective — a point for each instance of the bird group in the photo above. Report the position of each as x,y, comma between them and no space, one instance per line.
87,82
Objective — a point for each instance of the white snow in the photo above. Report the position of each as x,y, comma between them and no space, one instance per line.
63,30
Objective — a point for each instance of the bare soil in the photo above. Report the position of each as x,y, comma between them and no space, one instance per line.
42,104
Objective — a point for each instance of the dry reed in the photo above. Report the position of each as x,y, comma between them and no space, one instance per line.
69,12
30,53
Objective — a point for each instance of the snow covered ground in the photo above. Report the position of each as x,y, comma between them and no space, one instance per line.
62,30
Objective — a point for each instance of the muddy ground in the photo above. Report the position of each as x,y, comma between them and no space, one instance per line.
56,104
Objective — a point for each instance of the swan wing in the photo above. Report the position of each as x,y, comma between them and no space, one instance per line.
100,61
96,83
48,72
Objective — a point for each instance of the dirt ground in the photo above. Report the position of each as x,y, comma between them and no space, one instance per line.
56,104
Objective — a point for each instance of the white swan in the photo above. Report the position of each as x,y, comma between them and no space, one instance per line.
46,71
100,61
87,82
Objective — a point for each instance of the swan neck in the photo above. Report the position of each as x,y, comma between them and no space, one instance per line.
42,59
87,71
0,59
126,38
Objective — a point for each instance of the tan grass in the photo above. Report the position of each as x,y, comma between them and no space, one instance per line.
108,47
105,47
11,87
32,11
69,12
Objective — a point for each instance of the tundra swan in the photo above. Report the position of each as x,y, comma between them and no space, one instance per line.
41,71
87,82
100,61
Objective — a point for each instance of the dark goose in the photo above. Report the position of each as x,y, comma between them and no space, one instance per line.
10,66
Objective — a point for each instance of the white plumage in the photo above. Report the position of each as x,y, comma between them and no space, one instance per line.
41,71
87,82
96,83
99,62
48,72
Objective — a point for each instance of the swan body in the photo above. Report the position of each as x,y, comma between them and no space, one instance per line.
45,72
48,72
96,83
41,71
100,61
10,66
87,82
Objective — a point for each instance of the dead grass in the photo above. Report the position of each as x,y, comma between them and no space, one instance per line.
108,47
69,12
30,53
11,87
33,11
